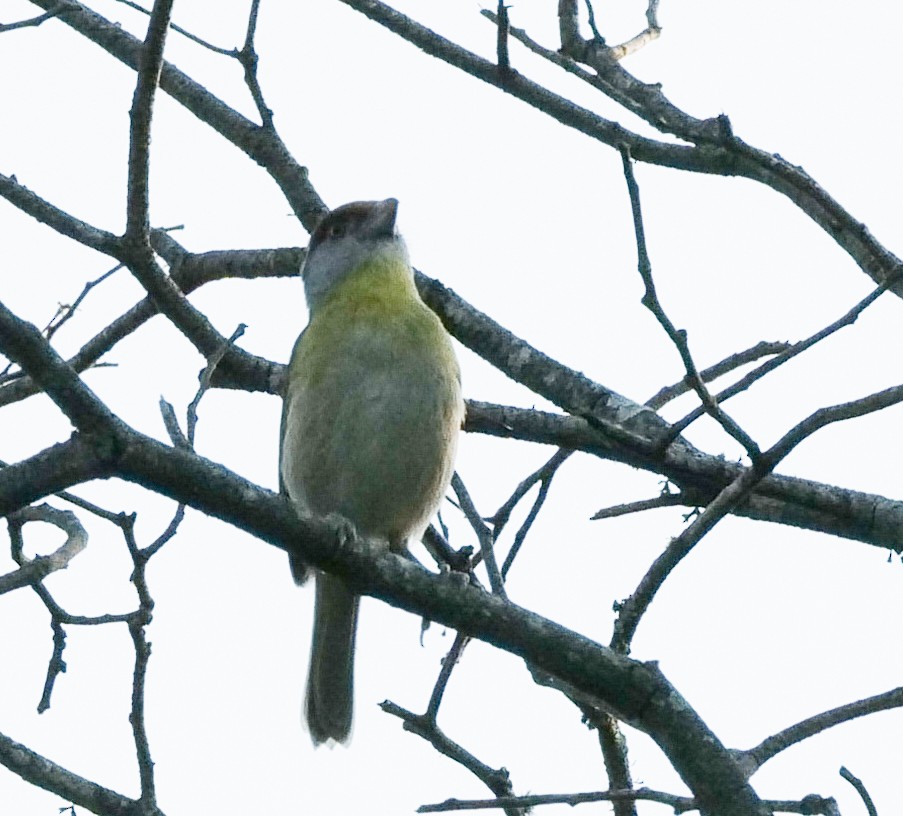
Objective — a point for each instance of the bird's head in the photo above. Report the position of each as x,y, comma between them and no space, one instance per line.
346,239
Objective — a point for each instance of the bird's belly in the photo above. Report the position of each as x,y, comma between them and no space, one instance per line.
377,448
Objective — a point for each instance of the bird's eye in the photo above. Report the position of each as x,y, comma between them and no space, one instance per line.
336,230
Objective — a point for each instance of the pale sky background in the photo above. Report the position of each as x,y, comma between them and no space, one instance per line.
529,221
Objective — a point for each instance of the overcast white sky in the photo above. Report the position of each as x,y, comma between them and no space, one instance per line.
529,221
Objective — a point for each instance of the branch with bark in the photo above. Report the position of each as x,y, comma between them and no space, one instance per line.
603,683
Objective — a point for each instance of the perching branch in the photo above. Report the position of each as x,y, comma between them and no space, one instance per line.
637,692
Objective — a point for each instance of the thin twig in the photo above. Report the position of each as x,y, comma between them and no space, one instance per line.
754,758
861,790
448,664
58,9
84,504
137,625
186,441
226,52
171,529
44,773
678,337
521,534
171,423
67,312
797,348
247,56
614,754
500,518
630,612
76,541
665,500
725,366
826,416
501,46
485,536
634,44
811,805
64,313
497,780
212,362
141,114
32,571
591,19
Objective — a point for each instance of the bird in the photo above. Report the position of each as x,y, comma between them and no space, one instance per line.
372,409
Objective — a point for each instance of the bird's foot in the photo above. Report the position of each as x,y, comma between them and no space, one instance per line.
345,531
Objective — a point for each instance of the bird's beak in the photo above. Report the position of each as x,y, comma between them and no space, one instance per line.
381,223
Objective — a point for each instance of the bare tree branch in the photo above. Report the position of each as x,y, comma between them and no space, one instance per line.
551,468
248,59
679,338
811,805
34,21
65,224
720,152
614,754
137,231
861,790
498,781
259,144
43,773
725,366
484,535
137,622
500,518
227,121
190,274
789,500
754,758
635,692
665,500
632,610
501,48
34,570
789,353
226,52
601,422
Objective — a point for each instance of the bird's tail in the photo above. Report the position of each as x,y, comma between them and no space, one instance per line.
330,680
